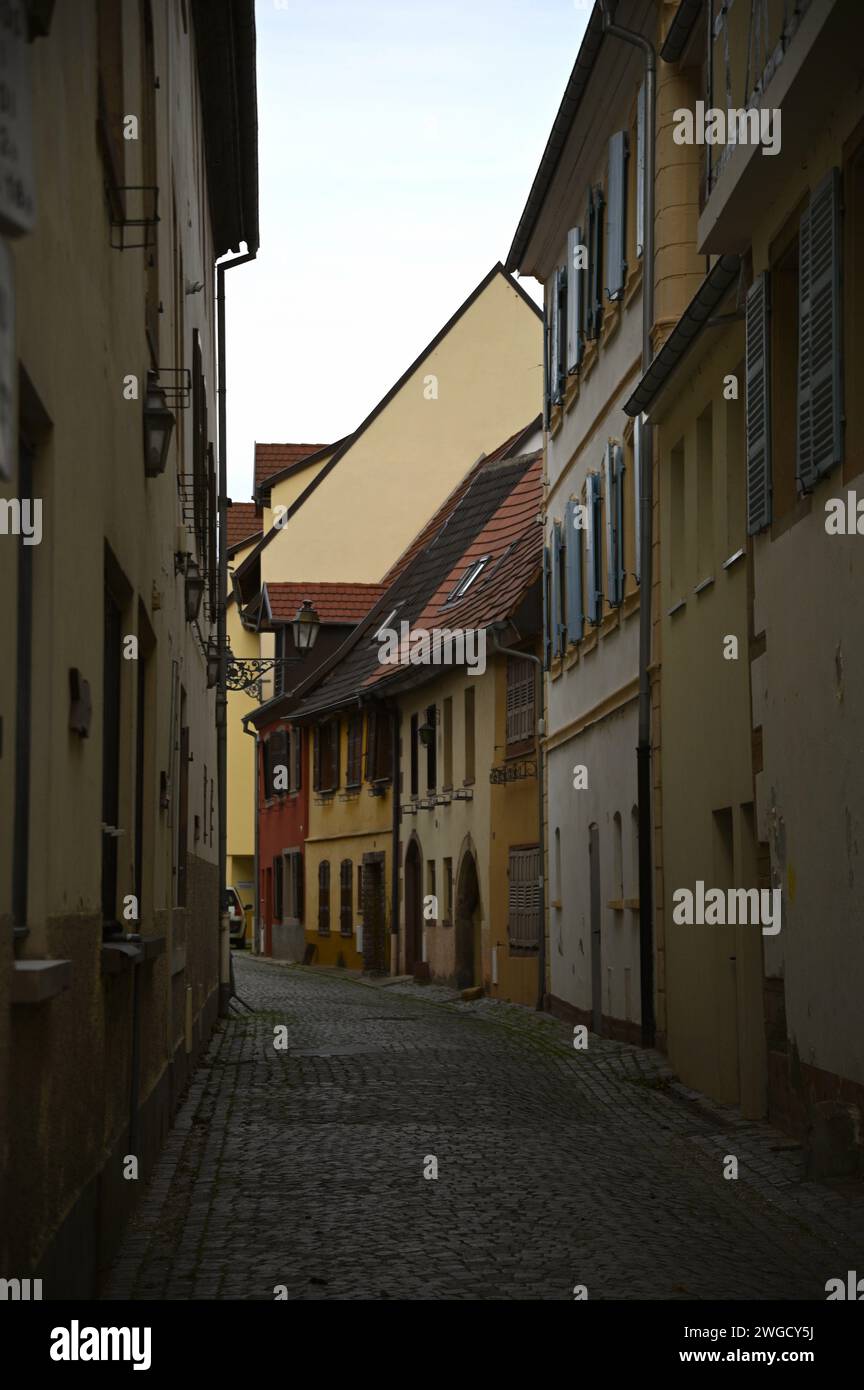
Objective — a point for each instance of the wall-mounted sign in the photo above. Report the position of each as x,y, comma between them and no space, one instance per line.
17,189
8,363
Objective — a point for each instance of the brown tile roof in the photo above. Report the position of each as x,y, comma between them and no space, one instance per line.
244,522
334,603
481,510
273,458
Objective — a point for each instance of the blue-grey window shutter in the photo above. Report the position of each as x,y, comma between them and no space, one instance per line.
547,386
556,625
758,407
595,558
575,292
575,607
563,280
547,616
640,171
613,471
616,216
597,264
555,342
618,475
820,442
587,283
637,497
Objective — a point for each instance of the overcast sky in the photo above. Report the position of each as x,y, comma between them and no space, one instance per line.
397,145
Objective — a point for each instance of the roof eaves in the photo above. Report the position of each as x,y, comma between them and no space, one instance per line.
680,29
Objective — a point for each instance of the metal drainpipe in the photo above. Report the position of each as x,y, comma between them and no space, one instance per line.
394,867
541,832
221,637
256,900
646,502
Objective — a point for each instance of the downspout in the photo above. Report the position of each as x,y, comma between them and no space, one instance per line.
256,937
541,831
394,854
221,637
646,503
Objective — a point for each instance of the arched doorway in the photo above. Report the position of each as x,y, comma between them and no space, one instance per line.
413,906
467,923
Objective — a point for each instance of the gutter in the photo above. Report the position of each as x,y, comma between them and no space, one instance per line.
225,989
646,509
699,314
680,29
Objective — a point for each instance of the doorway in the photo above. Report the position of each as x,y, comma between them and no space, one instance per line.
374,924
467,923
413,907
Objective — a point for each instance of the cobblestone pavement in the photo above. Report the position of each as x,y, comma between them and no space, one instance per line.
556,1167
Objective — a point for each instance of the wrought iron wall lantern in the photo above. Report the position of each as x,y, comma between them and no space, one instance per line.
158,428
247,672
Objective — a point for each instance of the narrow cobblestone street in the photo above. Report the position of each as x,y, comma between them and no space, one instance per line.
556,1167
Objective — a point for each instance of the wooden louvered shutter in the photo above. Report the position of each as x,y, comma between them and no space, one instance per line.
575,291
618,473
523,928
334,731
557,627
758,372
324,897
547,610
616,257
595,560
613,469
640,171
555,339
371,743
212,532
346,885
638,449
575,606
820,443
587,290
596,272
316,758
547,362
520,700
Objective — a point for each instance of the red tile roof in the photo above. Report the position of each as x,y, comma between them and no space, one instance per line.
272,458
334,603
244,522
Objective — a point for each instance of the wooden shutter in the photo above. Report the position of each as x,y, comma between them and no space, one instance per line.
613,468
346,884
279,762
563,280
555,340
618,474
575,291
334,729
265,769
575,606
595,561
324,897
616,257
547,611
371,743
355,751
212,532
587,283
523,929
820,444
557,626
547,363
758,410
316,758
596,270
296,759
520,700
640,171
278,887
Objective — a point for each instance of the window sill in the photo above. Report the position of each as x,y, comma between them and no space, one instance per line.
705,584
733,559
676,608
634,284
118,956
36,981
631,603
571,391
611,321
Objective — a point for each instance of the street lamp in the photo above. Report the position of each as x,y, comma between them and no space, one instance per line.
158,428
194,590
212,663
306,625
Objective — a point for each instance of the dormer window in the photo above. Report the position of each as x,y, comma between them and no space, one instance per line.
473,570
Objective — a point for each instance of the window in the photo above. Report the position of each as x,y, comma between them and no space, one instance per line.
618,856
415,755
557,888
594,287
448,742
704,496
634,852
575,298
573,605
677,513
346,907
556,594
520,700
523,927
469,734
109,42
278,763
473,570
325,753
379,745
360,889
278,889
324,898
293,886
354,770
448,890
432,748
616,261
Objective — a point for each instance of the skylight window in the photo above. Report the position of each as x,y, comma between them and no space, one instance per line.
475,568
